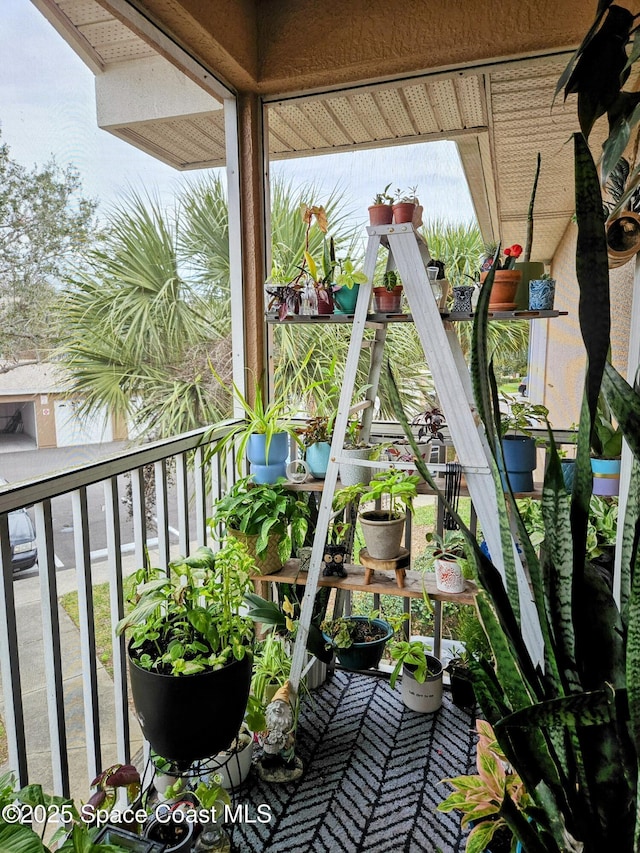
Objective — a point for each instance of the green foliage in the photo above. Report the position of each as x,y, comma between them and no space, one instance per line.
521,415
264,510
383,197
190,621
412,654
606,440
398,486
450,545
45,225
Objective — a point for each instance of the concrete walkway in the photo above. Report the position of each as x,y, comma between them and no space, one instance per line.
31,655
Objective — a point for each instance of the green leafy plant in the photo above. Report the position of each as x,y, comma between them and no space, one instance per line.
480,797
190,620
390,280
606,439
521,415
261,418
448,545
399,487
348,275
264,510
412,654
110,781
344,631
383,197
429,423
409,197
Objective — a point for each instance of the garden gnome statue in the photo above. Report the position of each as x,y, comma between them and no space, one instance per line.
278,762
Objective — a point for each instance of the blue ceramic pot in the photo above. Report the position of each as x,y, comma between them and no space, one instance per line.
520,461
541,294
462,294
267,469
317,458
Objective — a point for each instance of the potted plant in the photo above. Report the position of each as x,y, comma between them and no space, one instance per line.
355,448
382,528
316,439
358,641
321,279
447,553
190,651
234,763
268,518
421,675
405,205
387,298
506,278
481,797
606,450
518,443
542,291
263,434
381,211
429,425
348,282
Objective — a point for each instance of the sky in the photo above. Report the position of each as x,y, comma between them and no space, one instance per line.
47,109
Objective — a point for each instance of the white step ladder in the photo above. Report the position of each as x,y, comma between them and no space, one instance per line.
453,386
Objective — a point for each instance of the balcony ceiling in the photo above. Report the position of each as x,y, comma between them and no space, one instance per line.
499,115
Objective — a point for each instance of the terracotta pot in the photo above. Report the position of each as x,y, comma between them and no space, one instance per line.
380,214
623,238
325,306
387,301
403,212
505,286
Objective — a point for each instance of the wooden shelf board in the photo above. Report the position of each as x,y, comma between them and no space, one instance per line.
457,316
384,583
313,485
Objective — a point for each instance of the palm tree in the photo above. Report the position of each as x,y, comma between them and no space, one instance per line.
140,330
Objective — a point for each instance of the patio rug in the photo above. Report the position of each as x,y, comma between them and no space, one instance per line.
372,774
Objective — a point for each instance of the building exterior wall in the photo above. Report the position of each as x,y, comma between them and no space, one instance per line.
565,357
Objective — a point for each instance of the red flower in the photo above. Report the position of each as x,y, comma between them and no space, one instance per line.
513,251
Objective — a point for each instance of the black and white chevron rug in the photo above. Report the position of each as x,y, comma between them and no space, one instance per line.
372,774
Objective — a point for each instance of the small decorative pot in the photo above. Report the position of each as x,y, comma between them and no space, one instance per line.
387,301
234,767
380,214
334,558
424,698
403,212
606,476
541,294
267,469
325,302
462,294
449,577
304,555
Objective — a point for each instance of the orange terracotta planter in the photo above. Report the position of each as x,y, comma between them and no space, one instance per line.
403,212
503,292
380,214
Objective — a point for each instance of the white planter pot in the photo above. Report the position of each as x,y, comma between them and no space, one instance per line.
351,474
234,767
424,698
316,675
449,577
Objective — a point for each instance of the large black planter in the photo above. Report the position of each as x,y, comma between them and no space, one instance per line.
189,717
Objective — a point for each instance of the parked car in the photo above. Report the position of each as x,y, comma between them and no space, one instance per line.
22,538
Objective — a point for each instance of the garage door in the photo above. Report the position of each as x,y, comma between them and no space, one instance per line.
73,429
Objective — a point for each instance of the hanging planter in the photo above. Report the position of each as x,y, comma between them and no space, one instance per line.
623,238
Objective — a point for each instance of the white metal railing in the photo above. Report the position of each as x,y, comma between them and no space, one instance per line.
183,501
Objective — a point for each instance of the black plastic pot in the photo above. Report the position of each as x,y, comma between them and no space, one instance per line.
462,692
189,717
363,655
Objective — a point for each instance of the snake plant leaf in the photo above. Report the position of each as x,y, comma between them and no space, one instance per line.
624,403
566,75
629,568
591,708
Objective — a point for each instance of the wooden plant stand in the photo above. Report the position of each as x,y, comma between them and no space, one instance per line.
399,565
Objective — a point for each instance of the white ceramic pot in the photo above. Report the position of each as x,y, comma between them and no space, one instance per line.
234,767
424,698
449,577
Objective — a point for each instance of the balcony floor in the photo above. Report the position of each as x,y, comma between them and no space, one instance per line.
372,773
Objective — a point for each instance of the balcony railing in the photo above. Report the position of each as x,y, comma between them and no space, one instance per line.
185,488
